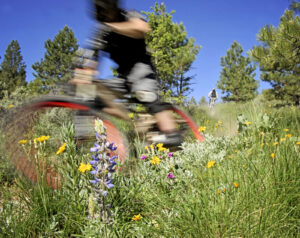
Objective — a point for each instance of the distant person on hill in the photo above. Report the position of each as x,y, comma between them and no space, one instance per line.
212,96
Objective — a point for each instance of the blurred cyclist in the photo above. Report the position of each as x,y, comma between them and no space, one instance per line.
122,34
213,96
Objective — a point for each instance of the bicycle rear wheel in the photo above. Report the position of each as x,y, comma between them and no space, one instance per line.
45,117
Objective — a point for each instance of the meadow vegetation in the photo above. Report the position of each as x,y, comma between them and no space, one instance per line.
242,181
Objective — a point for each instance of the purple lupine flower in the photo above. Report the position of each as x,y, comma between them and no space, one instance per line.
109,185
112,147
96,148
111,169
95,157
93,181
143,157
171,176
93,172
170,154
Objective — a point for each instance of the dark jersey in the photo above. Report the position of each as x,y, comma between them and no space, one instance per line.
123,50
213,94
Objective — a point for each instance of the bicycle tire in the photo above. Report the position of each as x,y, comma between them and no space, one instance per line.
22,122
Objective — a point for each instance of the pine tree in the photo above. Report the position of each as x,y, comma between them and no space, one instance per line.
13,72
237,76
173,52
57,62
295,6
203,101
279,58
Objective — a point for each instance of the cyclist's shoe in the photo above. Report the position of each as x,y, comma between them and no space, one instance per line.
168,140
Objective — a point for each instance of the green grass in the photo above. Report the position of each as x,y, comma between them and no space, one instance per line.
251,190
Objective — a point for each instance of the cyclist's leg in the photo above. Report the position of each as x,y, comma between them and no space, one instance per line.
145,87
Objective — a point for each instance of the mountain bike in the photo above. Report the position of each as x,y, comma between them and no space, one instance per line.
81,104
211,103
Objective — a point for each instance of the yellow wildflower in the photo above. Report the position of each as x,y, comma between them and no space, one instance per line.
210,164
61,149
229,157
159,145
282,139
155,160
248,123
136,217
220,122
235,184
288,135
207,121
262,133
131,115
262,144
41,138
81,168
88,167
146,148
22,142
162,148
275,143
235,151
298,143
202,128
272,155
219,191
286,130
10,106
84,167
152,147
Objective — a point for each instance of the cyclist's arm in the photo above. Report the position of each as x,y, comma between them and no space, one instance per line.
134,27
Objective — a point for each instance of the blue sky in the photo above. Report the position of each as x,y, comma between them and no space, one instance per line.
213,24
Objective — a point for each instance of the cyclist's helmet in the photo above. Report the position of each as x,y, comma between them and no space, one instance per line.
105,9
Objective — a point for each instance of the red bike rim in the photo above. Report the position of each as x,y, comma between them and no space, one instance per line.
192,125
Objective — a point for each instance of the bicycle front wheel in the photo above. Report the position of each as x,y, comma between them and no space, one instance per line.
42,119
187,125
